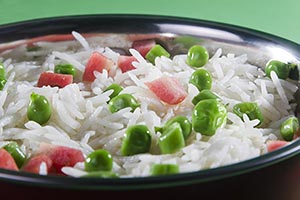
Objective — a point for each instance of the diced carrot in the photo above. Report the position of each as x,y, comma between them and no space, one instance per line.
7,161
168,90
53,79
143,46
97,62
125,63
273,145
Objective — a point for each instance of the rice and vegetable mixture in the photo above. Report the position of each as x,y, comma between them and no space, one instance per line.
84,110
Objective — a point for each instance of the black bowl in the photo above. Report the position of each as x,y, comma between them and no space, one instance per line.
271,175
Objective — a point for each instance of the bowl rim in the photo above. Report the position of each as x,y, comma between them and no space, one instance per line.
181,179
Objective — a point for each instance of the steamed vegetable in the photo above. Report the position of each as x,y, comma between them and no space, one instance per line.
168,90
54,80
208,116
251,109
16,152
137,139
98,160
164,169
184,123
65,69
289,128
204,94
123,101
156,51
39,109
116,90
281,69
197,56
202,79
172,139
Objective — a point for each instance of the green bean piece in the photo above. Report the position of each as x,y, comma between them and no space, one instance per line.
197,56
39,109
116,90
208,115
137,139
14,150
251,109
122,101
98,160
185,125
202,79
204,94
289,128
2,77
156,51
294,71
65,69
164,169
281,69
101,174
171,140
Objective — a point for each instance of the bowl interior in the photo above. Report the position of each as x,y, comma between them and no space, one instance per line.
177,35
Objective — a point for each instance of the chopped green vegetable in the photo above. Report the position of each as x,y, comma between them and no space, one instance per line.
204,94
251,109
122,101
2,77
137,139
172,139
156,51
98,160
202,79
289,128
116,90
185,125
281,69
39,109
101,174
65,69
208,115
164,169
15,151
197,56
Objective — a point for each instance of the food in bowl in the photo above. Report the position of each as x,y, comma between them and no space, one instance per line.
81,109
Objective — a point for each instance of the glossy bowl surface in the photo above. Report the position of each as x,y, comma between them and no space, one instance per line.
177,35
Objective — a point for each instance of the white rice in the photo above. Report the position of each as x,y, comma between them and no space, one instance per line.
81,118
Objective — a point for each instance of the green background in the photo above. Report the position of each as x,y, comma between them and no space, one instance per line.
278,17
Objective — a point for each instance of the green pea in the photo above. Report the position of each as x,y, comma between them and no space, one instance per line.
2,77
101,174
15,151
197,56
171,140
39,109
208,115
202,79
156,51
251,109
185,125
289,128
98,160
116,90
164,169
281,69
65,69
294,71
122,101
204,94
137,139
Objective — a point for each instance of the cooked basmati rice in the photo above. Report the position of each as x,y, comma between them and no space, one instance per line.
81,118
